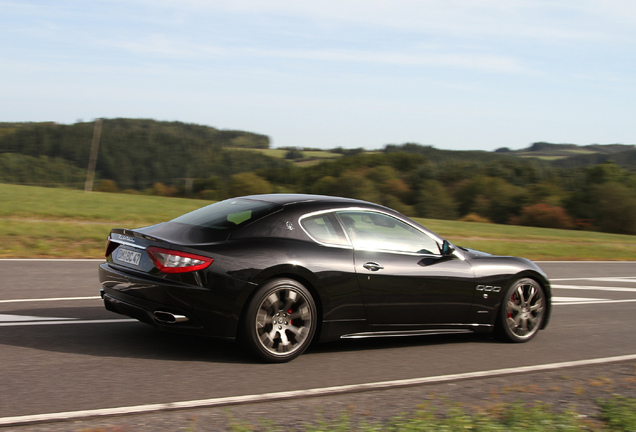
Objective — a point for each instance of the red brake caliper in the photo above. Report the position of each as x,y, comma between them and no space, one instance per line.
515,299
290,312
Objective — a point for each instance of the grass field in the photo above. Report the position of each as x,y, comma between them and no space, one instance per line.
44,222
281,153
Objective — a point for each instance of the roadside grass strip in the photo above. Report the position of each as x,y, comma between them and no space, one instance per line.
306,393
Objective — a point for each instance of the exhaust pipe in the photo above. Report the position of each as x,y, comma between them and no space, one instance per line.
169,317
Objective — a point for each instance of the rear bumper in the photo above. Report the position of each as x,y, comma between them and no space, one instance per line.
119,306
151,300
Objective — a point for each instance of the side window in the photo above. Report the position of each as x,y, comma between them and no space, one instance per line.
376,231
324,228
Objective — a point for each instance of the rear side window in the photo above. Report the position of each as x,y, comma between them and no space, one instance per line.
324,228
227,214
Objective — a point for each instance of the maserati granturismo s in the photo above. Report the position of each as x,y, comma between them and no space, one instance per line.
276,272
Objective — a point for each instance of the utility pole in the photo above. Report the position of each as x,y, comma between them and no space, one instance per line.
92,161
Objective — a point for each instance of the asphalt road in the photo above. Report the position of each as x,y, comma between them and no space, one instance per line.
62,352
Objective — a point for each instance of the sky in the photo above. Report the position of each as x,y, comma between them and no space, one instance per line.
454,74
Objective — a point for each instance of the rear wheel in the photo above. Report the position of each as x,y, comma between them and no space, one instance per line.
280,321
523,311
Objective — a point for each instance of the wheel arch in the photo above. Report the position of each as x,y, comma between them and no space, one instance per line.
542,280
296,273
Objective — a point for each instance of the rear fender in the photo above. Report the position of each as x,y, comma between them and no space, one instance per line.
286,271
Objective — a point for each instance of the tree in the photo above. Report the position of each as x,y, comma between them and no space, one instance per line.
615,211
327,185
248,183
433,201
605,172
490,197
354,184
293,154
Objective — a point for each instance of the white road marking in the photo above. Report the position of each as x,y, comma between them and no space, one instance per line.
26,320
49,299
66,321
600,279
294,394
563,301
594,288
54,259
20,318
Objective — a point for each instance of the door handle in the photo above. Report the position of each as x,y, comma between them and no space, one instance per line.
372,266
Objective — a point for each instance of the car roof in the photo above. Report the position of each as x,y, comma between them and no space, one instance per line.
286,199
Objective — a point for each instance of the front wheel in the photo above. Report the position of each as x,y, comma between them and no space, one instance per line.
280,321
522,311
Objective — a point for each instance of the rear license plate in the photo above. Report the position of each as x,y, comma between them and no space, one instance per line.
128,256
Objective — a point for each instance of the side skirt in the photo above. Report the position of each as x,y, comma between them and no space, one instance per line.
476,328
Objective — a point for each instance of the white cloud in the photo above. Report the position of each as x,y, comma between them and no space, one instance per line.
536,19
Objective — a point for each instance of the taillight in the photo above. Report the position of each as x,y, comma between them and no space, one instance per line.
110,246
172,261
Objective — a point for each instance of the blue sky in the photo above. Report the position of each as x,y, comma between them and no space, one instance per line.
458,75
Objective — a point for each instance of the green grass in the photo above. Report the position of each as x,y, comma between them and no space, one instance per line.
536,243
29,202
617,413
47,222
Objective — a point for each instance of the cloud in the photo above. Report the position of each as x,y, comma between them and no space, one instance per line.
535,19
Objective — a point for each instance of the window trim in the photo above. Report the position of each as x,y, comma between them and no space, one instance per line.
318,213
437,239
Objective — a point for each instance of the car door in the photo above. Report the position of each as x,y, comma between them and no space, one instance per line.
403,277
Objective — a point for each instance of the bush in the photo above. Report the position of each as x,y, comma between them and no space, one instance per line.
108,186
545,216
474,217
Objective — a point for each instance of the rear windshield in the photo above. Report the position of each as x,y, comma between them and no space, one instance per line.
228,214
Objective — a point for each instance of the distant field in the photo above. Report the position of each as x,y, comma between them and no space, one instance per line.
280,153
44,223
555,155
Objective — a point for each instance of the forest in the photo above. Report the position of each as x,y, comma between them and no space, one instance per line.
549,185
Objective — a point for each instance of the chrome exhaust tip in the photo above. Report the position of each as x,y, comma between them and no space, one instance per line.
169,317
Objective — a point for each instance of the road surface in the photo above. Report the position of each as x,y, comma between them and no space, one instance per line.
64,356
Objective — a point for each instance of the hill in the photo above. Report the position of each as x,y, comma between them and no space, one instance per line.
545,185
135,153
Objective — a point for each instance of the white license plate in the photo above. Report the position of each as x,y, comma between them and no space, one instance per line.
128,256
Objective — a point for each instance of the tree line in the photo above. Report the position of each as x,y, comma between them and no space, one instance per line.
134,153
591,189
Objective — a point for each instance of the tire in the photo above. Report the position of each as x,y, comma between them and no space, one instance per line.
522,312
280,321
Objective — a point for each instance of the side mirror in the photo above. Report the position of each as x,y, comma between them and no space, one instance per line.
447,248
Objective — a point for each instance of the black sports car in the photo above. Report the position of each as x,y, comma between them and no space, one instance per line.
278,271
